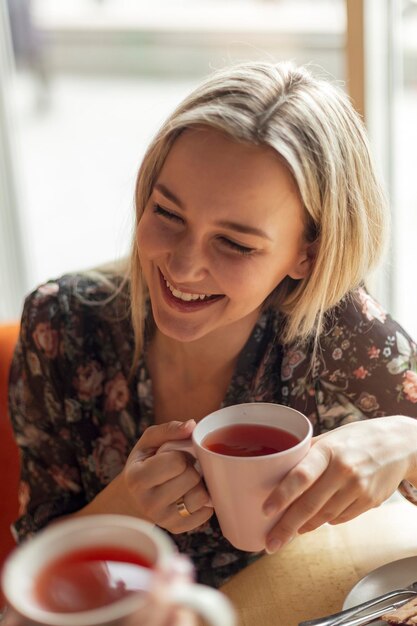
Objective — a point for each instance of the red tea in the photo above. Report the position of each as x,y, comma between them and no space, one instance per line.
90,578
249,440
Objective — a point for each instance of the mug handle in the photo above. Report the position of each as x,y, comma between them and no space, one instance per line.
212,605
184,446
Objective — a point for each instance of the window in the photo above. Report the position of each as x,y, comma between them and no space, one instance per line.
102,76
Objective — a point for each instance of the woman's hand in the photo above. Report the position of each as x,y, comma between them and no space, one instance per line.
154,482
346,472
150,484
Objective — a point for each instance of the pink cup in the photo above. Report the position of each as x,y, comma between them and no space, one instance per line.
239,486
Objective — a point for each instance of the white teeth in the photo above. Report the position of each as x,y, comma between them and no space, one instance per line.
181,295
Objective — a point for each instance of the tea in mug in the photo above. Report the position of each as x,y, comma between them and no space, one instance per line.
90,578
249,440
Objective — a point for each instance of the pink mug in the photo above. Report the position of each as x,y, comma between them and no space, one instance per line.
239,485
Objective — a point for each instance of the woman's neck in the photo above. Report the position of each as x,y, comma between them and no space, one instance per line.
190,380
203,359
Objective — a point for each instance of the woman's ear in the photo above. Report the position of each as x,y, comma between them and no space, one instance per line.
305,262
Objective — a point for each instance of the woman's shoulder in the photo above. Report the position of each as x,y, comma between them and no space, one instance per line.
360,314
363,342
75,301
82,291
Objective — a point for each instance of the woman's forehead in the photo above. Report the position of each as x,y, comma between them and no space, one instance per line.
213,177
208,158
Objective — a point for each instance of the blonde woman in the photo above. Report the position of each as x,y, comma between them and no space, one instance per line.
258,218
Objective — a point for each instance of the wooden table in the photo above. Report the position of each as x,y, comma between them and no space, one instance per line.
312,575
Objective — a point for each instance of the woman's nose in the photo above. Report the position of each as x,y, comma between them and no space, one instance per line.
187,262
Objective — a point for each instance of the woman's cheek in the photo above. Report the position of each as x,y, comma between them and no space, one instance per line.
254,277
238,270
153,240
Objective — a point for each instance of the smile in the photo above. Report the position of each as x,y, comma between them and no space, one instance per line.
184,300
187,297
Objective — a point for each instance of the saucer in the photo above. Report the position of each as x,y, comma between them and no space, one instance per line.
395,575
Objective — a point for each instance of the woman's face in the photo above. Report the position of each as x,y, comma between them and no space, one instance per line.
222,228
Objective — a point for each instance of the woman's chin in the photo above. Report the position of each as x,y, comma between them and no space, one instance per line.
180,333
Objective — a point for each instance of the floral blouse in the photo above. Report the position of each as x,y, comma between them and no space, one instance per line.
77,413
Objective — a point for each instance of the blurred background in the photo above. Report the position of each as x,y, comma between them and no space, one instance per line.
84,85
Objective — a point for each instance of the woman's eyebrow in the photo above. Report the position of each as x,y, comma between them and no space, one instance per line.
230,225
244,228
168,194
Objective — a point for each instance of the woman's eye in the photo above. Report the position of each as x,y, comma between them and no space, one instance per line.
169,215
237,247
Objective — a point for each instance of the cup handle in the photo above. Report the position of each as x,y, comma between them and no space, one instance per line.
184,446
209,603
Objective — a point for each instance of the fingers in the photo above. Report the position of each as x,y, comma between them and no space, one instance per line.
155,436
187,486
178,524
158,469
297,481
157,481
343,506
163,508
302,517
330,510
288,497
330,484
161,502
352,511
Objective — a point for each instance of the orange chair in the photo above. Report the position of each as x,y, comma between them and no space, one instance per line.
9,455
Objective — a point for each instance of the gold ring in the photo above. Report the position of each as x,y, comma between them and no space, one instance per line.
182,509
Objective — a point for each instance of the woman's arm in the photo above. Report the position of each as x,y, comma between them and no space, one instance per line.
366,409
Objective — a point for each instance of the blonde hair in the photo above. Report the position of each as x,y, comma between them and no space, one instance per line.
312,125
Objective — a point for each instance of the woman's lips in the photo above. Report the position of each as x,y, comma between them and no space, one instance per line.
186,306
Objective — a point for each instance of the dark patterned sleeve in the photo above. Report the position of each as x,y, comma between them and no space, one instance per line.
50,480
367,368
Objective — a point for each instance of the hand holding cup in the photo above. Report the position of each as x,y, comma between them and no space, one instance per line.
239,484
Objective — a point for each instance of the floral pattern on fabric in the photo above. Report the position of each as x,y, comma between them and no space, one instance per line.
77,414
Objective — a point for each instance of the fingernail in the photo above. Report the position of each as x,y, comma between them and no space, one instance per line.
185,425
273,545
